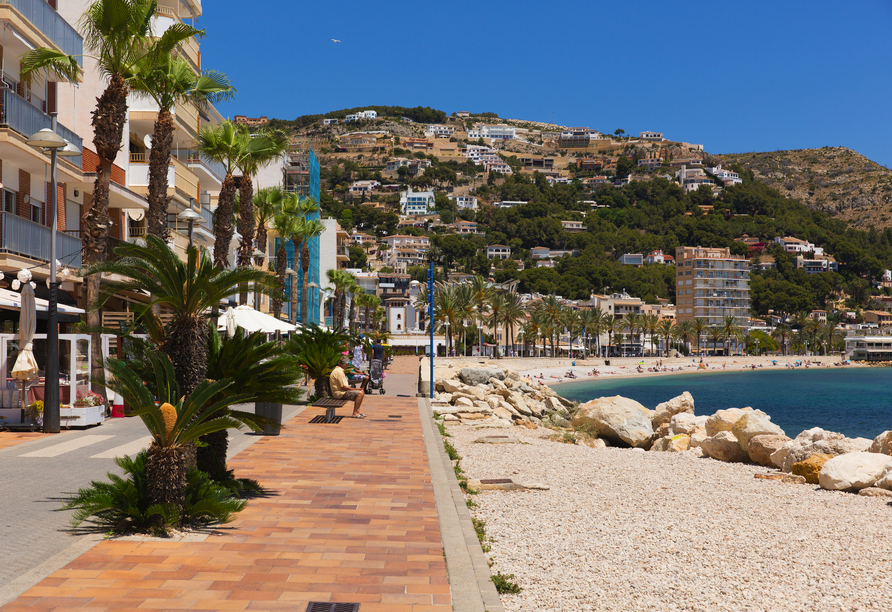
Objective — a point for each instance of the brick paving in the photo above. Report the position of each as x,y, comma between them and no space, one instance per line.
13,438
351,518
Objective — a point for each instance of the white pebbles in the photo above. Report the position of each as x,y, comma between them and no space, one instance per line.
631,530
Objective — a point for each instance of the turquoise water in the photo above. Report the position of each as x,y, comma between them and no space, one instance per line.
853,401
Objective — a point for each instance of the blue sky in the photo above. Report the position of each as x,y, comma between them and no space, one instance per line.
735,76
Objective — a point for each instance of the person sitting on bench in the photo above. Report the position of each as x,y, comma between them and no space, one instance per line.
341,389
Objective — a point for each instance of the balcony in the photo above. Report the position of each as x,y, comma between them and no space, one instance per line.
32,240
180,179
43,17
22,117
207,171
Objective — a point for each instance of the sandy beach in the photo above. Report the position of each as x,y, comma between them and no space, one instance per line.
554,371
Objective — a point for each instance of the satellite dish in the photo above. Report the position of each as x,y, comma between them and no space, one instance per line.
147,139
136,214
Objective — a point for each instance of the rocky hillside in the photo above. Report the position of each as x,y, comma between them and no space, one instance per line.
836,180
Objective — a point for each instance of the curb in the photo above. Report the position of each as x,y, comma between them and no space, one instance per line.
465,561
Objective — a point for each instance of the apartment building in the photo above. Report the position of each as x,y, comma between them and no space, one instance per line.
797,245
363,187
25,219
362,116
498,251
577,138
711,284
537,163
817,264
573,227
464,202
691,179
439,131
466,227
414,203
650,163
727,177
417,143
251,121
411,242
192,182
496,132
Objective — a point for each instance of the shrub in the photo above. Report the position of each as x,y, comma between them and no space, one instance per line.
123,504
505,585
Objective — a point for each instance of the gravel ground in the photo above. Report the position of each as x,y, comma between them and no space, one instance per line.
629,530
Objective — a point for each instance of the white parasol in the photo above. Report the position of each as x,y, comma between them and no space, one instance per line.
251,321
25,367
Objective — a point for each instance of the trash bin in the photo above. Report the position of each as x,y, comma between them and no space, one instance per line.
272,412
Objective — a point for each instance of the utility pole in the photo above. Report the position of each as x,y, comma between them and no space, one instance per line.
430,318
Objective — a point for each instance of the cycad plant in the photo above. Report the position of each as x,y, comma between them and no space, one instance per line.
318,350
173,421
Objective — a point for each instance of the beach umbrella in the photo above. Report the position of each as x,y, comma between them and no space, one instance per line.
252,320
229,322
25,367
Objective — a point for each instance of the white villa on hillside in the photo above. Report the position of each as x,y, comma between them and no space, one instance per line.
414,203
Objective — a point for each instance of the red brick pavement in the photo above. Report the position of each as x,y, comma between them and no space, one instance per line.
12,438
351,518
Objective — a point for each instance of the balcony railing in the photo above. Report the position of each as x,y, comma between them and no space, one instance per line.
191,157
19,115
48,21
208,217
24,237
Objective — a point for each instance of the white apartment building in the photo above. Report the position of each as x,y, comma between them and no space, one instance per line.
691,179
727,177
414,203
408,242
361,115
439,131
711,284
796,245
361,187
498,251
498,132
464,202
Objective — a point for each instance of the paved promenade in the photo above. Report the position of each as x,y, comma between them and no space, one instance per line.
351,517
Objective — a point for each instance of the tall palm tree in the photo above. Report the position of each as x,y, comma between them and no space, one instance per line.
609,327
340,281
117,34
448,311
223,144
664,329
698,325
512,315
283,222
633,324
480,293
800,322
267,202
593,320
257,151
812,327
305,230
170,81
685,331
354,290
552,311
497,305
650,326
782,331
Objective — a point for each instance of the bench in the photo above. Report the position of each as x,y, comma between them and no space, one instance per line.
330,404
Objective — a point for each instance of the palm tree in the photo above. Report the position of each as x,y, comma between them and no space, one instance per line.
633,324
800,321
812,327
609,327
593,320
267,202
729,329
170,81
223,144
284,222
340,281
480,292
497,305
512,314
650,325
698,325
685,330
448,311
353,289
552,311
305,230
117,34
664,329
257,150
782,331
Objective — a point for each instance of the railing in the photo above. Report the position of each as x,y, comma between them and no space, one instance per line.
24,237
192,157
138,158
185,180
48,21
136,232
208,217
190,49
342,250
26,119
187,113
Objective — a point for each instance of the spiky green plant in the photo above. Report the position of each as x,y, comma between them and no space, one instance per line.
318,350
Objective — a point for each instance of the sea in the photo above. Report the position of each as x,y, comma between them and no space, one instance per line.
856,402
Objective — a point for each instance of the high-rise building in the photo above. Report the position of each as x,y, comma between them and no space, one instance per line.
710,283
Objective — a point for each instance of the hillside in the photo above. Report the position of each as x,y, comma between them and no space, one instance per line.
835,180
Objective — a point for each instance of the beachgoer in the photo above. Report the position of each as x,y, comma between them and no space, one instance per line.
378,351
341,389
358,356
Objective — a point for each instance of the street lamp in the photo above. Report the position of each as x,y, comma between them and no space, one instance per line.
192,217
290,274
314,286
48,139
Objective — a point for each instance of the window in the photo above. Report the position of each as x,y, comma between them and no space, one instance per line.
36,211
9,201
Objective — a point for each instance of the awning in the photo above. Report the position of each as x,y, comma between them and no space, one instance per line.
12,300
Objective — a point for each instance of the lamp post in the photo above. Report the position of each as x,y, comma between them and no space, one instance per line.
48,139
192,217
313,307
290,274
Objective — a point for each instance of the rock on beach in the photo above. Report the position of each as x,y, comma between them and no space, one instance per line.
620,420
854,471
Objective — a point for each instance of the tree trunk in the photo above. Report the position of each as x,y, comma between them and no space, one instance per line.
159,162
108,131
305,269
166,476
281,266
245,228
185,342
223,223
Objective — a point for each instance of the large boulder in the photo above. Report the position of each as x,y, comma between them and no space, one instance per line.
882,444
854,471
476,376
754,424
664,412
450,385
520,404
697,438
811,467
816,441
686,423
675,444
620,420
497,384
724,447
552,404
724,420
760,448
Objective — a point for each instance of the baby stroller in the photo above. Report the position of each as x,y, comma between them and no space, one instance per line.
376,375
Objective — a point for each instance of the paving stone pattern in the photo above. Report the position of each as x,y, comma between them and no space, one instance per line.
350,518
12,438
